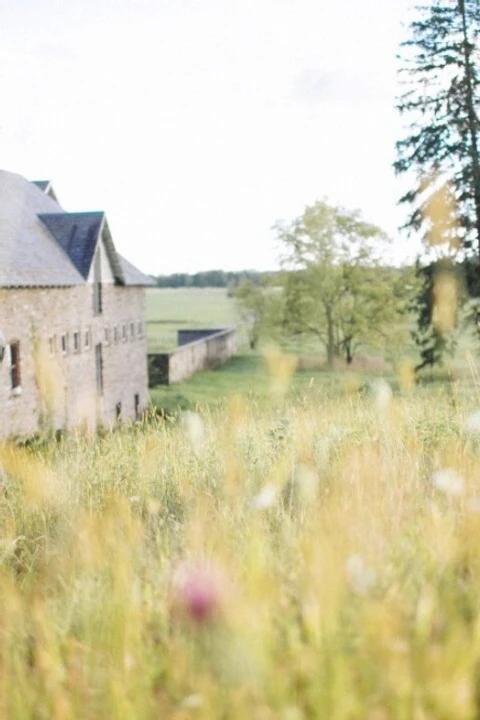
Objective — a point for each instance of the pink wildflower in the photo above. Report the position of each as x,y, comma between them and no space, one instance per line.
198,591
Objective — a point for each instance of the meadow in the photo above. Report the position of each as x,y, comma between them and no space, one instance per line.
311,556
305,546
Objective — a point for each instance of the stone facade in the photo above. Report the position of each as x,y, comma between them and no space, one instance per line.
75,367
73,350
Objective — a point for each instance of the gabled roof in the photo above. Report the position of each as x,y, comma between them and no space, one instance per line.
29,254
77,234
46,187
41,245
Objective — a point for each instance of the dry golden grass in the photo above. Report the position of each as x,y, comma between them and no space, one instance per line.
295,561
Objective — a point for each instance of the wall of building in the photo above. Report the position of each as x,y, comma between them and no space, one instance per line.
209,349
59,387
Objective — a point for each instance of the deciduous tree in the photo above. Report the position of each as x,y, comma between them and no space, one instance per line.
335,286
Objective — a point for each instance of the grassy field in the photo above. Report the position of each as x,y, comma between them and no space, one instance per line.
247,374
294,545
169,310
314,556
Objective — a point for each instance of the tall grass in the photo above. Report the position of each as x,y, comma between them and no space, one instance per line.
317,558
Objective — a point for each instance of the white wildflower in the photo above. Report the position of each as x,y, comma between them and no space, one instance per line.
382,393
192,701
265,498
449,482
360,577
306,482
472,423
194,428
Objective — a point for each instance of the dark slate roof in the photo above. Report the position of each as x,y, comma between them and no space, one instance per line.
132,275
77,234
43,246
29,255
42,184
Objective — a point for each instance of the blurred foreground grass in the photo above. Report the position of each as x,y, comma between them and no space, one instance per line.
317,556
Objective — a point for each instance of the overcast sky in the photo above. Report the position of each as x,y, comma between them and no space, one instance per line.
196,124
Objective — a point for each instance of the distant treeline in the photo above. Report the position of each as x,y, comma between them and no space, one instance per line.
212,278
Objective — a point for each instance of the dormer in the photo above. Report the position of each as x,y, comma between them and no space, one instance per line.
46,187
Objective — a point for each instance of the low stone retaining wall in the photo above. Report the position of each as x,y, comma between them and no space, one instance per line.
201,349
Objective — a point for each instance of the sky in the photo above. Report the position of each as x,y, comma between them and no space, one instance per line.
197,124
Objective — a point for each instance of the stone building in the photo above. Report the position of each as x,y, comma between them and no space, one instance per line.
73,347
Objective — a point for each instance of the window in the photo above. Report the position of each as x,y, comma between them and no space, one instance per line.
115,334
64,344
136,406
132,331
87,339
97,284
15,374
124,333
52,344
99,368
139,329
106,336
76,342
118,410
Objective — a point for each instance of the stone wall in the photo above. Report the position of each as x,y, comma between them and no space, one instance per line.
58,334
197,350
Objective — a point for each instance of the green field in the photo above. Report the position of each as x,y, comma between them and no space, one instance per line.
247,374
169,310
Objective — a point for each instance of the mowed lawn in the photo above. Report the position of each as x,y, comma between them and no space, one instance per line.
173,309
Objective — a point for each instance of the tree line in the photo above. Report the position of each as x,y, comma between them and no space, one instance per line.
212,278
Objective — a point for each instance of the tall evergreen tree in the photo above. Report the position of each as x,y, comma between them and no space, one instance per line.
441,66
441,151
